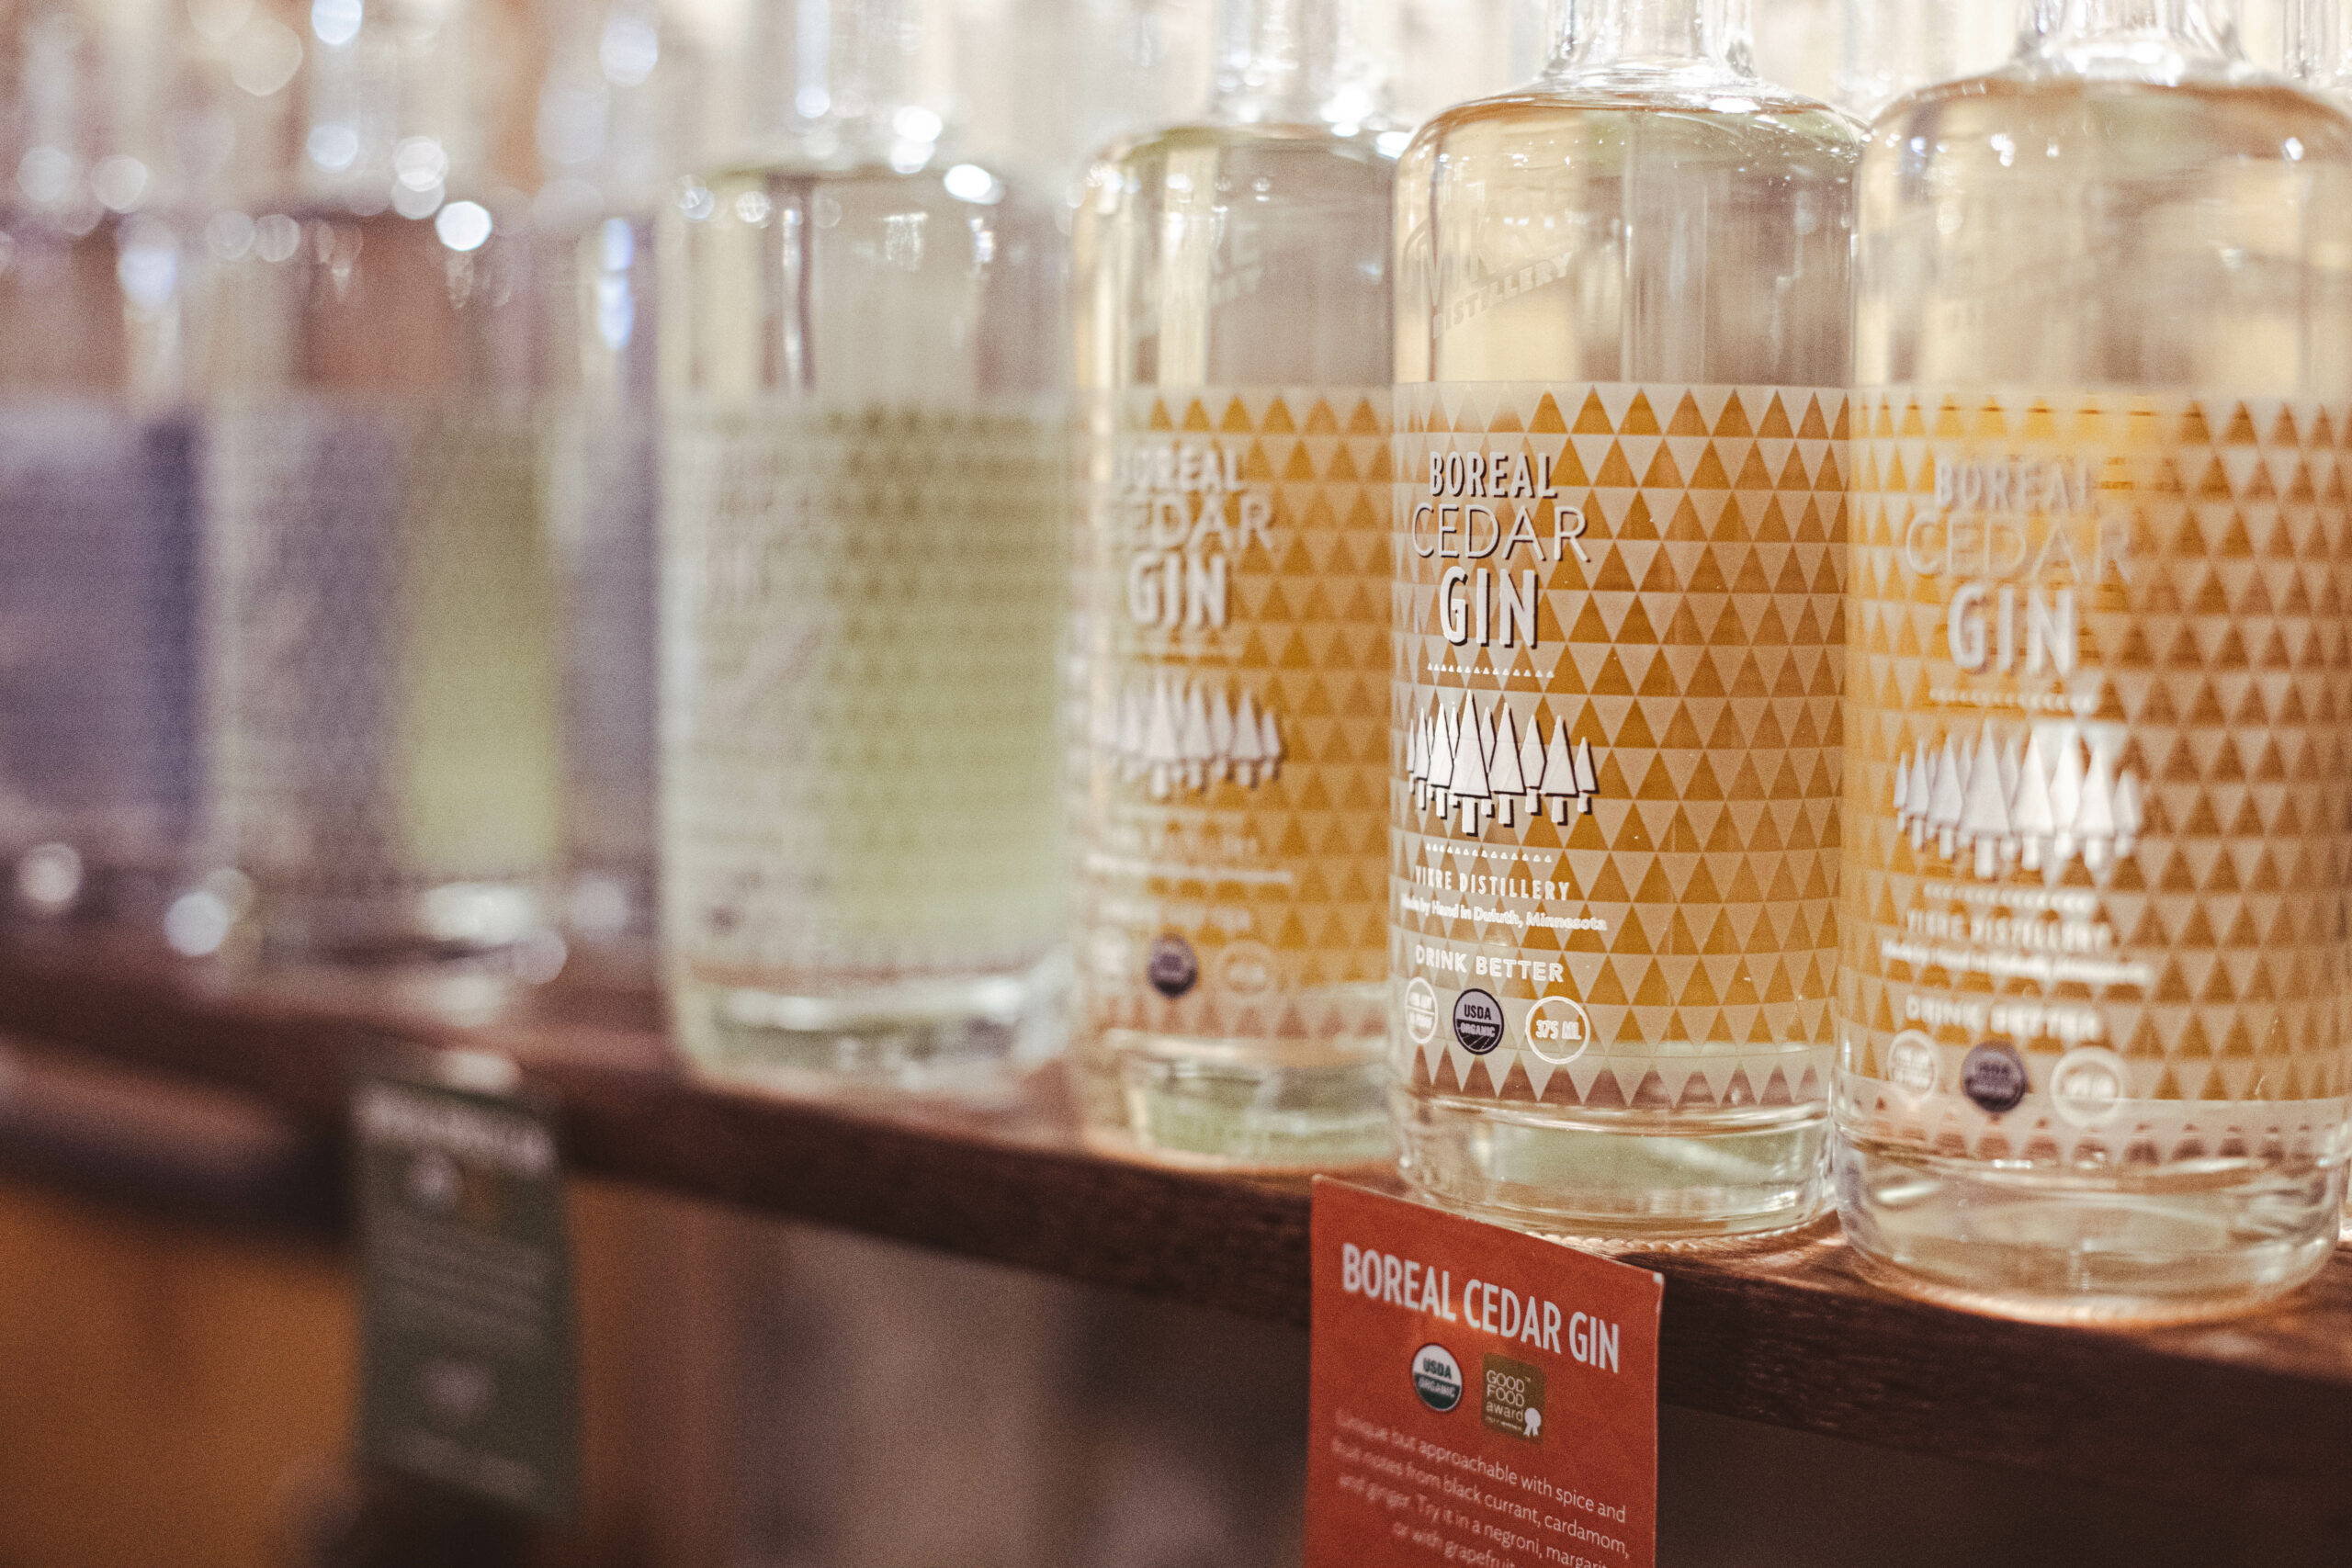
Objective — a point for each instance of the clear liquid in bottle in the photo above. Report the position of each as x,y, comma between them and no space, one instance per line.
1621,304
2091,1063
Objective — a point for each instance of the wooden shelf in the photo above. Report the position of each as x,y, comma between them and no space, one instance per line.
2255,1410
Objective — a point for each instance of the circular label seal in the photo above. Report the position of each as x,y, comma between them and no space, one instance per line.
1478,1022
2087,1086
1420,1011
1558,1030
1993,1075
1172,969
1911,1062
1437,1377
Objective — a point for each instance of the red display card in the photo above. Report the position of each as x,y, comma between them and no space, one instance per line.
1479,1397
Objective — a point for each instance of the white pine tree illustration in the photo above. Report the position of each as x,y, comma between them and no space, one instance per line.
1530,764
2066,796
1921,791
1442,746
1470,796
2128,820
1587,782
1161,752
1902,789
1944,804
1415,760
1503,776
2030,810
2095,818
1984,808
1132,722
1269,742
1193,740
1220,735
1247,751
1559,772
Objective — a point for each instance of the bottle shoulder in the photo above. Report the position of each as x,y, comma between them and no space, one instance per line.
1369,147
949,181
1760,124
2238,115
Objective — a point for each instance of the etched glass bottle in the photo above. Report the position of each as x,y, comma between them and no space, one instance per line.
98,509
864,570
611,116
2090,1063
1234,318
380,650
1620,323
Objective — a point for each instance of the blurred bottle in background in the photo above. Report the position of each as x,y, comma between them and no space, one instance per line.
863,570
1234,325
613,118
108,122
1113,65
1893,46
2123,257
2314,40
381,663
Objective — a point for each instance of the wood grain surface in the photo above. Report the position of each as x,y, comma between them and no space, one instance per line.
2254,1409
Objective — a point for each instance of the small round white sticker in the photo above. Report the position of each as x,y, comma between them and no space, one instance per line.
2088,1085
1911,1063
1421,1012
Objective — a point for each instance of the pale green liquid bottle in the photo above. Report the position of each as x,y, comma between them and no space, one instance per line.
864,577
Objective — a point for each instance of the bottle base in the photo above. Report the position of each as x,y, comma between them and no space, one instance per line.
488,925
973,1037
1205,1104
1621,1176
2207,1240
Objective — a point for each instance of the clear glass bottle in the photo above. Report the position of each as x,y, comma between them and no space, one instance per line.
612,115
2090,1057
864,571
1232,814
1892,47
1621,296
380,652
98,507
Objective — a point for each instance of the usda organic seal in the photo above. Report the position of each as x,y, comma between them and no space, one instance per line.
1478,1022
1437,1377
1993,1074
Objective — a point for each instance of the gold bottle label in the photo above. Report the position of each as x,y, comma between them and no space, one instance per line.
1618,674
2097,775
861,608
1233,593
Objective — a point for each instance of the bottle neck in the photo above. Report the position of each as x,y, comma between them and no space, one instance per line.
2159,38
1298,62
1649,38
2319,46
856,87
393,111
607,131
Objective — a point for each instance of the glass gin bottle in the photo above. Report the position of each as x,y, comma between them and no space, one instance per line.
864,570
98,504
379,659
1622,298
2090,1057
611,114
1232,800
